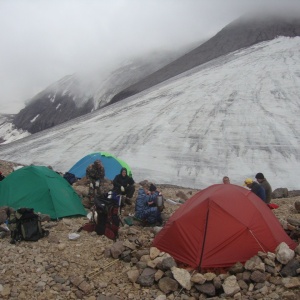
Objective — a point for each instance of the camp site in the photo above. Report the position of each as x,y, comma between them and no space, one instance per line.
221,242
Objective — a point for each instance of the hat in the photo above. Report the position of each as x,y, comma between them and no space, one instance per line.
152,188
248,181
259,176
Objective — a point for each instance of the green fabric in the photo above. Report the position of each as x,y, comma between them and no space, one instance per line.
122,163
43,190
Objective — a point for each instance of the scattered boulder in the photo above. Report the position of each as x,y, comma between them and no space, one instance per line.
280,193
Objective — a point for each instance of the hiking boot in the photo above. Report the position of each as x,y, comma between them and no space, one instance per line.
128,201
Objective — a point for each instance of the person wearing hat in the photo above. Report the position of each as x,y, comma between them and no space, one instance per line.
95,173
124,185
255,188
265,184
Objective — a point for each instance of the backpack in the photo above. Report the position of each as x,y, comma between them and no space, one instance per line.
1,176
25,225
108,220
71,178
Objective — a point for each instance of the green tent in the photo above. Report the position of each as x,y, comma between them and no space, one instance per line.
43,190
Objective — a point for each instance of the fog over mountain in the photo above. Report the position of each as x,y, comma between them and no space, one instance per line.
235,115
43,41
75,95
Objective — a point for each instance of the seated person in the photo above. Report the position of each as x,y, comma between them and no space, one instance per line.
124,185
145,208
255,188
159,202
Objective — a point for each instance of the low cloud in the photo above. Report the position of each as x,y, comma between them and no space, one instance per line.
42,41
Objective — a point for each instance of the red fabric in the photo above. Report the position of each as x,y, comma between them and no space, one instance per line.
273,205
219,226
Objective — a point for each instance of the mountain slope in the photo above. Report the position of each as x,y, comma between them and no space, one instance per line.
8,132
244,32
236,116
75,95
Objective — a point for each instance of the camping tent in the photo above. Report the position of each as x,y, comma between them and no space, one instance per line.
219,226
43,190
112,165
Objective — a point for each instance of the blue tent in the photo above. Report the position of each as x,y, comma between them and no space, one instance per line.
112,165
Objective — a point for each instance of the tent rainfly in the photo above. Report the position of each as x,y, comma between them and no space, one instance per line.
220,226
112,165
42,189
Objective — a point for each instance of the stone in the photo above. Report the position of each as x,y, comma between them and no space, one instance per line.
280,193
297,206
167,285
209,276
158,275
291,282
154,252
167,264
183,277
258,276
283,253
236,268
207,288
61,246
182,195
230,286
133,275
116,249
147,277
198,278
290,269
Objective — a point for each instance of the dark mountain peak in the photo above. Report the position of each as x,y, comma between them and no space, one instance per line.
58,103
243,32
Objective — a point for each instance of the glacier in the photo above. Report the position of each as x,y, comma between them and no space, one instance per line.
236,115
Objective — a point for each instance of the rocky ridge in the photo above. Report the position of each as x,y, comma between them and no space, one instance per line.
94,267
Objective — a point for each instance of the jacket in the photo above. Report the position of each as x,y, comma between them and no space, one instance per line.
121,180
268,190
258,190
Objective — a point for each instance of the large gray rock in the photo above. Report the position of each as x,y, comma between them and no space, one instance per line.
280,193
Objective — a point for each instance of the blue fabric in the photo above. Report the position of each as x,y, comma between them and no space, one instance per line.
111,165
259,191
142,209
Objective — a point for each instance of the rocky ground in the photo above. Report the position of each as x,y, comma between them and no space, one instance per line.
95,268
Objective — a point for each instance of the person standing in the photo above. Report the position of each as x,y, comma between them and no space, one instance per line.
95,173
255,188
124,185
265,184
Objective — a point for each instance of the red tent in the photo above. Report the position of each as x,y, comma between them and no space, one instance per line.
219,226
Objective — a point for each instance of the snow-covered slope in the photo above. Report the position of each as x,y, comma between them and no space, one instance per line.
8,131
236,116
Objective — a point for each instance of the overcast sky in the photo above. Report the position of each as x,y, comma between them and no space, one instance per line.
42,41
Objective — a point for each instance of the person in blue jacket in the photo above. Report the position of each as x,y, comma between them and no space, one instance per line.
256,188
145,206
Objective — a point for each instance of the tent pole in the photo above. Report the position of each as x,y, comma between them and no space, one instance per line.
203,243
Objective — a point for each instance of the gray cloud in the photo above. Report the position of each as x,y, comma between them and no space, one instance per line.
42,41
